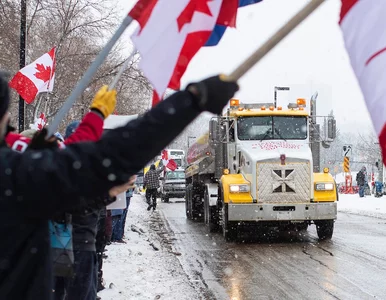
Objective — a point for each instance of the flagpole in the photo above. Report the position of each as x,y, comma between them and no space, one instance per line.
23,25
121,70
242,69
86,79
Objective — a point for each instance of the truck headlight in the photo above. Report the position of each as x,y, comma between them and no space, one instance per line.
324,186
239,188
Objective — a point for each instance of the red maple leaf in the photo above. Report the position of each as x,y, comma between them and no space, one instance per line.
186,15
43,72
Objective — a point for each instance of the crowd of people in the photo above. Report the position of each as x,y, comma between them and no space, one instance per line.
54,190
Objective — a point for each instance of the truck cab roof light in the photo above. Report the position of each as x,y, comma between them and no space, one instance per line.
235,102
263,108
271,108
279,108
301,102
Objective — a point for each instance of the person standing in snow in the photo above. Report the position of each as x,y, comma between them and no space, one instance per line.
151,183
83,285
38,184
362,181
129,195
117,234
119,219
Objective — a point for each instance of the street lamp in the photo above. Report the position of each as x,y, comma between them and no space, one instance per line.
23,25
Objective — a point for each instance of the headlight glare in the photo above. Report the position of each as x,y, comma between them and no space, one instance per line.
239,188
324,186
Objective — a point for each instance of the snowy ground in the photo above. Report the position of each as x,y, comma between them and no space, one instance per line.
137,270
368,206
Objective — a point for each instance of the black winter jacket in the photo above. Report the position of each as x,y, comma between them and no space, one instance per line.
36,185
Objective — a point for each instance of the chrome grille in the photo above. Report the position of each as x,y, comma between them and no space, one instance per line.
289,183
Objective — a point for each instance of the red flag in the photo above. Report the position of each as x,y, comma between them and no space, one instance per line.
168,163
39,122
35,78
178,28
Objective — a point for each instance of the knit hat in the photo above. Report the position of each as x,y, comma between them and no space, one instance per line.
29,133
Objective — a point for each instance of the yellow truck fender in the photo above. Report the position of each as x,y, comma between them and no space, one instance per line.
235,197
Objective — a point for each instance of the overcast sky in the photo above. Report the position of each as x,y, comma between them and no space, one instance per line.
312,58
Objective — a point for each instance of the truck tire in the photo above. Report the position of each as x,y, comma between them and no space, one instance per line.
325,229
210,214
229,229
166,199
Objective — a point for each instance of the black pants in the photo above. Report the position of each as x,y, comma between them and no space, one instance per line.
84,284
100,246
151,193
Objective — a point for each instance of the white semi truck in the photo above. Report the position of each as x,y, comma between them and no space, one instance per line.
255,167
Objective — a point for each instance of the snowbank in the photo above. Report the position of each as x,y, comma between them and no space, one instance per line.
136,270
340,177
368,206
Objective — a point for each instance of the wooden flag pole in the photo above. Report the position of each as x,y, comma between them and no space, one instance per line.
86,79
124,66
273,41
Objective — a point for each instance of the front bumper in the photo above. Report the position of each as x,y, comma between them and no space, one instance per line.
282,212
177,194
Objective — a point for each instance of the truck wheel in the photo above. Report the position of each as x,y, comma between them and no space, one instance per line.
229,229
302,226
210,214
166,199
325,229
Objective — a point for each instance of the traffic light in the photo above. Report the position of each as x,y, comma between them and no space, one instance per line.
331,125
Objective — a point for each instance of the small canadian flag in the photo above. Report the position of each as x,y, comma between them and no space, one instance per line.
168,163
35,78
39,123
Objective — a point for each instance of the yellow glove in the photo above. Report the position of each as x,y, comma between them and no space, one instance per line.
105,101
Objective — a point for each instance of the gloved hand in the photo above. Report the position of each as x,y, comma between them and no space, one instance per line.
104,101
39,141
212,94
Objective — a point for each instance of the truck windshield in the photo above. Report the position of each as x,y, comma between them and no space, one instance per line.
178,161
272,128
175,175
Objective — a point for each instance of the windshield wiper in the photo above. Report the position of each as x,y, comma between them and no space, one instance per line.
279,134
266,134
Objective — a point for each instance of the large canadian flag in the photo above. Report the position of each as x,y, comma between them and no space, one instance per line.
35,78
170,33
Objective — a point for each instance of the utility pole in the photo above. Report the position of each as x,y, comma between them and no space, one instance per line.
23,32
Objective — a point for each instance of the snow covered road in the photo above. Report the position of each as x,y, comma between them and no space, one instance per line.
278,266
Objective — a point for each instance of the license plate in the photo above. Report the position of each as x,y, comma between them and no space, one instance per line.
284,215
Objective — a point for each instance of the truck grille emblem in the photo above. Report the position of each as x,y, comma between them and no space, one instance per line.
283,181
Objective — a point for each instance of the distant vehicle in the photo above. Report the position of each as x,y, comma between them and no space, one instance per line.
173,185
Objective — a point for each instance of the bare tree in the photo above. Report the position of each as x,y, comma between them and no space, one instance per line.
78,28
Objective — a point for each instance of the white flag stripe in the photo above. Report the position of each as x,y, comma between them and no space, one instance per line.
30,71
364,33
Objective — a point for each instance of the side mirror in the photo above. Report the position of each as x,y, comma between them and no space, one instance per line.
331,129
